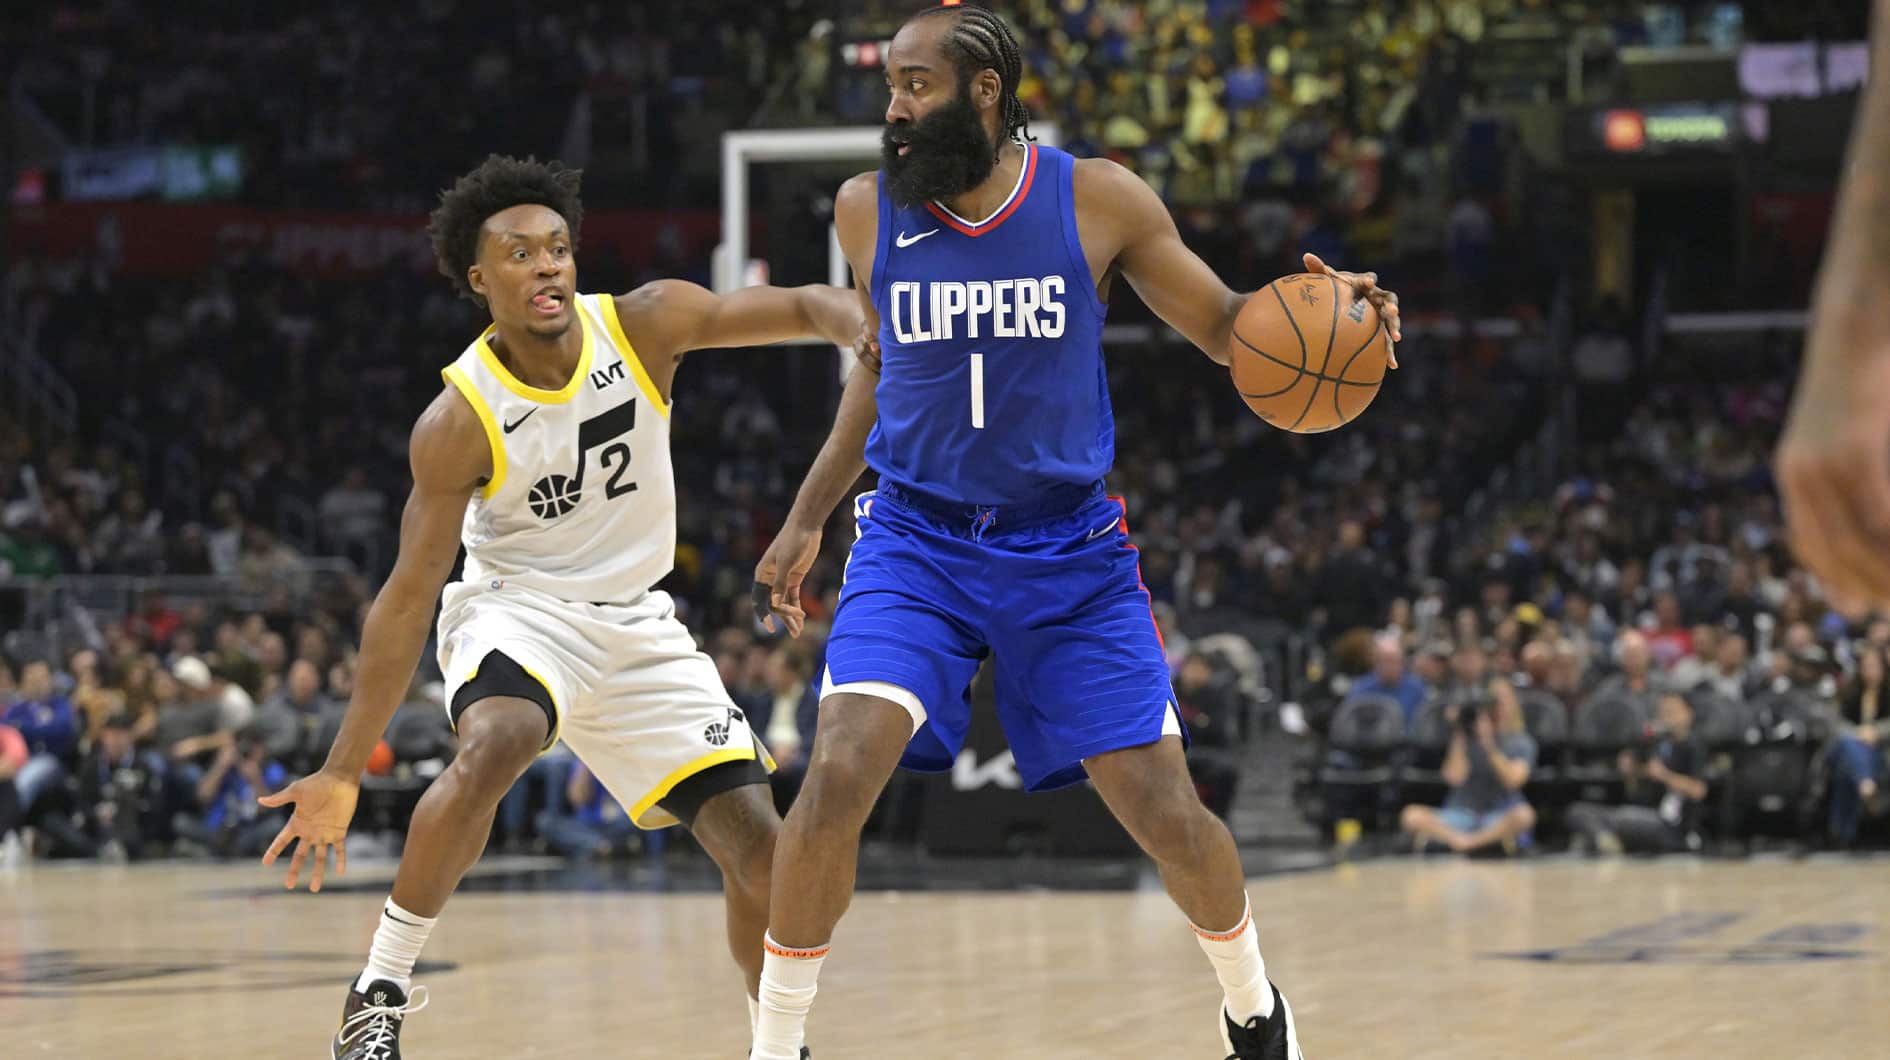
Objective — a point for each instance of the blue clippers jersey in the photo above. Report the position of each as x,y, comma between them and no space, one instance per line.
992,386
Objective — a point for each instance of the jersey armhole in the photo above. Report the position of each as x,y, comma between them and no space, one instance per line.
1072,241
456,375
880,237
607,311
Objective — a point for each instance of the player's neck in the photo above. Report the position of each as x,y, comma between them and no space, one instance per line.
537,360
988,197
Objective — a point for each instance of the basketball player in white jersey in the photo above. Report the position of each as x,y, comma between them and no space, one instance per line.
547,456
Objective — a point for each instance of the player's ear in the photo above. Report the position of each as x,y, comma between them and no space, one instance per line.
476,280
987,89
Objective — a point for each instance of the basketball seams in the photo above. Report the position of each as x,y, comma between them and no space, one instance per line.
1269,357
1275,288
1347,366
1284,363
1322,375
1319,377
1332,333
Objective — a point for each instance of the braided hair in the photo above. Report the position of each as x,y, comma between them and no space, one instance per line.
980,40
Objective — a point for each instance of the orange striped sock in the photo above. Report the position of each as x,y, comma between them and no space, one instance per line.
789,979
1235,954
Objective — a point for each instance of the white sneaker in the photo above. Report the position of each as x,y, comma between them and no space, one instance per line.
12,852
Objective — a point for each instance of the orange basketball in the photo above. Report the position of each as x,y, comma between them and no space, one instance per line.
381,761
1307,356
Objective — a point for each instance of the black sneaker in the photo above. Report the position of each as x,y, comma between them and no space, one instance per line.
370,1022
1273,1038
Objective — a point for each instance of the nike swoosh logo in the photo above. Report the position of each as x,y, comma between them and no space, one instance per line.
905,241
514,425
1099,531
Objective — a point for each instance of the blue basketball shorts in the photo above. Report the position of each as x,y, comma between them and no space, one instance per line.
1054,598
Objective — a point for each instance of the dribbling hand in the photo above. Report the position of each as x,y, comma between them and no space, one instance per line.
324,805
1365,285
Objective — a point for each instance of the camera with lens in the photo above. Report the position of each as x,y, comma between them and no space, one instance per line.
1467,715
1647,746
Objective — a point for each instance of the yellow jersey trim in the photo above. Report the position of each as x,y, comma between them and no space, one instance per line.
456,375
532,393
607,308
682,773
557,709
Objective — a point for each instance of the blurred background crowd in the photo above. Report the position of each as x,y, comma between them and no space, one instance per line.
1559,511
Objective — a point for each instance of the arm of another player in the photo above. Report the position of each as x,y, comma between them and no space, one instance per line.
1172,279
449,454
673,317
1834,458
842,457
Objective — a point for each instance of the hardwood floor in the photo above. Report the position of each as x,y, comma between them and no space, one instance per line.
1391,959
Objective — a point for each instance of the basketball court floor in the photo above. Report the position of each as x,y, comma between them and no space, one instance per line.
1392,958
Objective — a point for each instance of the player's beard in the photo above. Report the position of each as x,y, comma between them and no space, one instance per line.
950,154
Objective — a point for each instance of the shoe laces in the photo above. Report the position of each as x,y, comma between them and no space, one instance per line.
375,1028
1254,1026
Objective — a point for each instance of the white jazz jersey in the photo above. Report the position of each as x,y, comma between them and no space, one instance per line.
563,545
581,505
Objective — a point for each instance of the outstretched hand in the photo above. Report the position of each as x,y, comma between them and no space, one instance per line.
779,575
1365,285
324,806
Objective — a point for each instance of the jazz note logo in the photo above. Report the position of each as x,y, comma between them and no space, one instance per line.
555,495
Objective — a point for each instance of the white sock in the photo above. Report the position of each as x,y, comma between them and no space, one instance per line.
754,1015
788,982
397,945
1242,971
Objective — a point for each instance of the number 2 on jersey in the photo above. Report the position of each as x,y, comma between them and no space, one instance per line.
977,391
603,430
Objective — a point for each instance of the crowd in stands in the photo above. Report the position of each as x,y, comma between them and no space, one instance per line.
160,740
1658,564
1648,623
356,105
250,422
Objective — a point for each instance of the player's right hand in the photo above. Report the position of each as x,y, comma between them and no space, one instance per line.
782,569
1833,462
324,805
866,347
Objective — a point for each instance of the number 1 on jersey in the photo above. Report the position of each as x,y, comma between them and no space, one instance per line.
977,391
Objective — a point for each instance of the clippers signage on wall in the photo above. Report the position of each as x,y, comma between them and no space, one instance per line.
177,174
149,238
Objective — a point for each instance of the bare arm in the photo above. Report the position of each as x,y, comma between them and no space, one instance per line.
669,318
212,781
450,455
1513,773
578,790
1173,280
1457,760
1691,787
1834,458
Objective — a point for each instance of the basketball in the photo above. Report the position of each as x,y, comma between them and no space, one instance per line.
381,761
1307,356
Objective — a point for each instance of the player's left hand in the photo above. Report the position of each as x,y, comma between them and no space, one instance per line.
1365,285
779,575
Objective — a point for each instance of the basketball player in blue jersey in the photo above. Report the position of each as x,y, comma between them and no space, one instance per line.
988,260
546,455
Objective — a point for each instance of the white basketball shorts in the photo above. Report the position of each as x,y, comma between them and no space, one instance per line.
635,700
